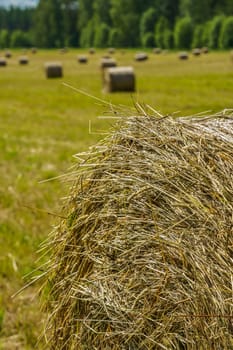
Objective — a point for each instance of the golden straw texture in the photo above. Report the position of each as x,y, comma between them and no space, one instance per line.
144,258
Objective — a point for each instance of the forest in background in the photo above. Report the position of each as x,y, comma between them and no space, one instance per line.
168,24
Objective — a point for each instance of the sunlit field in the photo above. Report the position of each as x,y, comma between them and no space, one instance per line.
43,123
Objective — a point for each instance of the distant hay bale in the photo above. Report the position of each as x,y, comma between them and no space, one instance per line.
82,59
91,51
33,50
196,52
8,54
3,62
53,69
141,56
157,50
183,55
111,50
106,56
143,256
205,50
23,60
119,79
63,50
107,63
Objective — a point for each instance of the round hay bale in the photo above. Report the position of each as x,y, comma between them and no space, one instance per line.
205,50
119,79
53,69
196,52
82,59
91,51
157,50
23,60
63,50
8,54
143,256
33,50
107,63
111,50
141,56
3,62
183,55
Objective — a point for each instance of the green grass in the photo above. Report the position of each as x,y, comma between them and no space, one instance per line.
43,123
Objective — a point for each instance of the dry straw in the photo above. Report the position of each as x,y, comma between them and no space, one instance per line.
144,258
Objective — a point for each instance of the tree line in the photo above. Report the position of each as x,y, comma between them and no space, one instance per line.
168,24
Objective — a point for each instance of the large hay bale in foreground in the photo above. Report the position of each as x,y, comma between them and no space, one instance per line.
143,258
53,69
119,79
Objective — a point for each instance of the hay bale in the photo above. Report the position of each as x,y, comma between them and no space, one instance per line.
119,79
107,63
23,60
8,54
157,50
111,50
141,56
183,55
63,50
3,62
53,69
205,50
196,52
33,50
82,59
143,256
91,51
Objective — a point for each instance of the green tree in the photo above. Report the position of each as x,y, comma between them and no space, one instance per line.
87,34
147,23
197,36
206,33
160,29
69,22
20,39
214,33
183,33
48,24
115,36
226,36
101,9
101,37
4,38
148,40
168,39
125,16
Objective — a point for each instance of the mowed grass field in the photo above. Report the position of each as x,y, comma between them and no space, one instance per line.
43,123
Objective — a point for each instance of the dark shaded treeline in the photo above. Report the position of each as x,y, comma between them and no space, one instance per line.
119,23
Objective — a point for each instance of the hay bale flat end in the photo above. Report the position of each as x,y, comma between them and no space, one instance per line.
53,69
119,79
